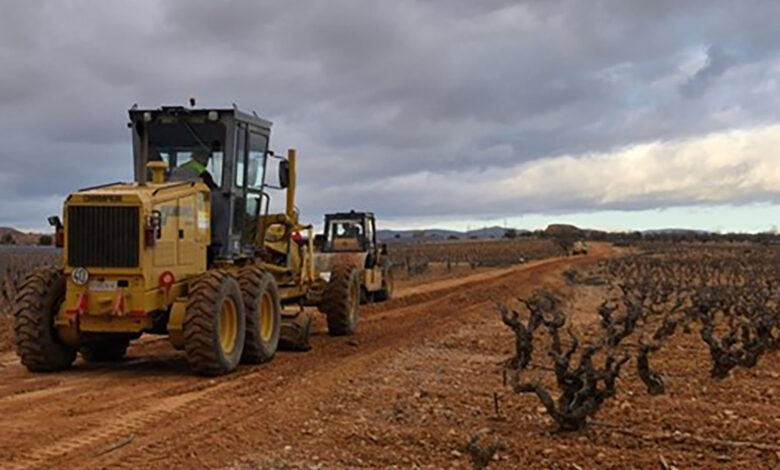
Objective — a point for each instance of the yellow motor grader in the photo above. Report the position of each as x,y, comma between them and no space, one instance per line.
188,249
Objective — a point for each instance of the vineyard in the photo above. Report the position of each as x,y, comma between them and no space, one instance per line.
644,322
412,259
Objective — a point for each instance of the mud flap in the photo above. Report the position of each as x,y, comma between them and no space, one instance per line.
295,331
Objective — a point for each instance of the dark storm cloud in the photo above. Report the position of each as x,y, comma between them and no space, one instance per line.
378,92
718,61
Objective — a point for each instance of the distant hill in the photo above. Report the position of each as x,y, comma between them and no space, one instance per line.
441,234
20,238
553,230
675,231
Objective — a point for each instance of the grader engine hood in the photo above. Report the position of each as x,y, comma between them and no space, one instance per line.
128,249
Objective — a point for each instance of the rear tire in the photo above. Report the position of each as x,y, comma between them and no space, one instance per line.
37,344
263,315
214,324
105,351
366,297
386,292
341,300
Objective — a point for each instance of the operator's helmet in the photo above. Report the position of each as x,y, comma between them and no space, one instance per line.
201,156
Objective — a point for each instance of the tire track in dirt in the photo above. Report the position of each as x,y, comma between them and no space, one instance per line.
176,418
105,433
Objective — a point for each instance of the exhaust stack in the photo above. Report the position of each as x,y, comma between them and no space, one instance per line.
291,157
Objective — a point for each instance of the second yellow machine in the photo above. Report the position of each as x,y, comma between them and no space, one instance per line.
188,249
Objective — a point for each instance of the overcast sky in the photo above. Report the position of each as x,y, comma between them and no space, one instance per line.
612,114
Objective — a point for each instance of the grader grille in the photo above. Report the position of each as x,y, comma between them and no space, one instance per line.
103,236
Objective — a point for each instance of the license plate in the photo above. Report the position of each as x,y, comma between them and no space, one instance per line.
102,286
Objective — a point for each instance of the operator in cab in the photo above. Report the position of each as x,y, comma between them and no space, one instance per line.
194,169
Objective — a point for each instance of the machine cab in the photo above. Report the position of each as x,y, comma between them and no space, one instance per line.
232,148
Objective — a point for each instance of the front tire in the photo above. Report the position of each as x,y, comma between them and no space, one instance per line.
341,300
214,324
38,302
263,315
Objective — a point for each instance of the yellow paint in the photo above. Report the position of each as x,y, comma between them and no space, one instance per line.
175,322
372,279
113,324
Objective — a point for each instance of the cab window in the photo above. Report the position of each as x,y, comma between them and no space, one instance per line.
176,158
240,155
174,142
258,145
345,235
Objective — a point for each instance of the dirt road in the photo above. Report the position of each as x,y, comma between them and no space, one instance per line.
347,403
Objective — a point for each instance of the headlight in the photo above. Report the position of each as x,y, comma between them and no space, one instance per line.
80,276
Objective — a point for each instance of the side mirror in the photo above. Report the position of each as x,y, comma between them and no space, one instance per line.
59,237
55,222
284,174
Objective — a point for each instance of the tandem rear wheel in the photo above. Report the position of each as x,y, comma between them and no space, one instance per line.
263,315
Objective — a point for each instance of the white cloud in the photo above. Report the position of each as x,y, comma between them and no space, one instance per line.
735,167
722,167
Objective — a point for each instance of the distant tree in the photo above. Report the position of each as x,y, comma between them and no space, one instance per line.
453,237
7,239
557,230
45,240
565,242
510,233
397,236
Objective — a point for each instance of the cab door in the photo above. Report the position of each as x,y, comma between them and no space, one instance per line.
248,190
255,182
238,191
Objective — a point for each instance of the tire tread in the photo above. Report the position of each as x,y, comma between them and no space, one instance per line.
35,306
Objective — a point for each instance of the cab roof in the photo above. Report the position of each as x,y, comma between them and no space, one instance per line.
349,215
137,114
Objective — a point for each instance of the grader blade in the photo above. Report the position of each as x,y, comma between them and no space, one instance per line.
294,335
